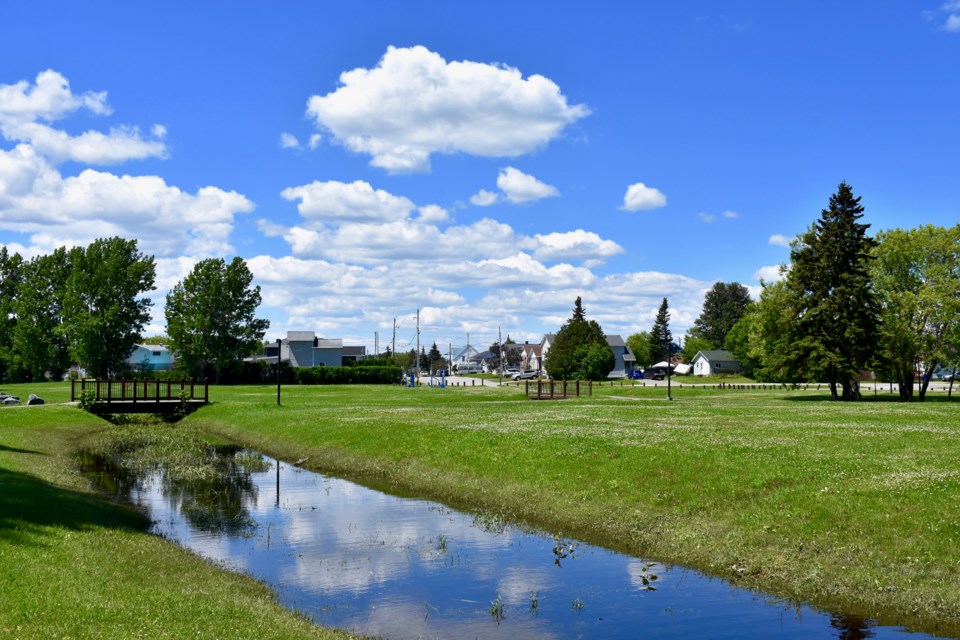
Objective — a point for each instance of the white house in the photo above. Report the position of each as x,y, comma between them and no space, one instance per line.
720,361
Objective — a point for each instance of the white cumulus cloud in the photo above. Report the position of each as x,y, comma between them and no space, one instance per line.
414,104
36,199
26,111
574,245
519,187
333,201
769,274
640,196
780,240
484,198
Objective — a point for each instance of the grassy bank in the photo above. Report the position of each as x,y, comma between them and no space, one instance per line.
849,506
73,565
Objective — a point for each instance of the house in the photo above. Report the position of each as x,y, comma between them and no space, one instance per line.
548,339
624,364
625,360
305,349
531,357
720,361
465,355
150,357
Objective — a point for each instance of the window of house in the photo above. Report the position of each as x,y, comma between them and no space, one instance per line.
156,353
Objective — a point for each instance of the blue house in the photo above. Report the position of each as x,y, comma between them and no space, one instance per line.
150,357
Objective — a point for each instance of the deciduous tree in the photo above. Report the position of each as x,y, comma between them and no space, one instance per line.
40,336
103,311
11,274
639,344
917,277
211,316
563,360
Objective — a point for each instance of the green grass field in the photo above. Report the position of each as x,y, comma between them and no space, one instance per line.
851,506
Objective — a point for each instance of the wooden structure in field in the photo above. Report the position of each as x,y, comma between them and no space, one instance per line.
142,396
557,389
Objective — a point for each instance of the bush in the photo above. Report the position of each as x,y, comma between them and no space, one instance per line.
348,375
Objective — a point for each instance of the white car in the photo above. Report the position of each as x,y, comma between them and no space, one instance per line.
524,375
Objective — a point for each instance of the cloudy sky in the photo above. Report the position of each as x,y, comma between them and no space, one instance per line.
485,163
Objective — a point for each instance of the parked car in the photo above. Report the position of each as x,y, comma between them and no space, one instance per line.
512,371
657,374
524,375
636,374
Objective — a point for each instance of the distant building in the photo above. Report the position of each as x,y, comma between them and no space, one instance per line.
720,361
305,349
150,357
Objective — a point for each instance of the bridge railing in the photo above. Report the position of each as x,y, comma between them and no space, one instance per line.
139,391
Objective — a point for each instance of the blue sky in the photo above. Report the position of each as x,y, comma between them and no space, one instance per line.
486,164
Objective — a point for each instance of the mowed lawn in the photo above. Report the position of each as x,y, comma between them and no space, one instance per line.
851,506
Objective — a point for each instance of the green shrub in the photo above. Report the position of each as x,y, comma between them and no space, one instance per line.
348,375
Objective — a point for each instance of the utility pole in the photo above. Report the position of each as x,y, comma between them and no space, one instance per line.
418,346
393,349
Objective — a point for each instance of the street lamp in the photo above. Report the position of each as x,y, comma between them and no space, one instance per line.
668,370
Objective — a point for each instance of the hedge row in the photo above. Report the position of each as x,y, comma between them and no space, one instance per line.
348,375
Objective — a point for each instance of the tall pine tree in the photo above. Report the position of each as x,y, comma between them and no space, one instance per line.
833,302
723,306
661,339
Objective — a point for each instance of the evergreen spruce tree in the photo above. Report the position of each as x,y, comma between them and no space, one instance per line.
660,336
723,306
837,316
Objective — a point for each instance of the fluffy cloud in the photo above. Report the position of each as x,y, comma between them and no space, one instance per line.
36,199
359,224
414,104
640,196
289,141
768,274
520,187
484,198
779,240
23,106
574,245
330,202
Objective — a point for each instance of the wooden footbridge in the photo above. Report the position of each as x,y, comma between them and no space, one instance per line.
141,396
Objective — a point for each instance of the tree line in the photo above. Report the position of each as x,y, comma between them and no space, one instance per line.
87,306
848,303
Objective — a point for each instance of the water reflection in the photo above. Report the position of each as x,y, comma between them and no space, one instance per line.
380,565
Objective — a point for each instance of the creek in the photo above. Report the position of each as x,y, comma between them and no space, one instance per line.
394,567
